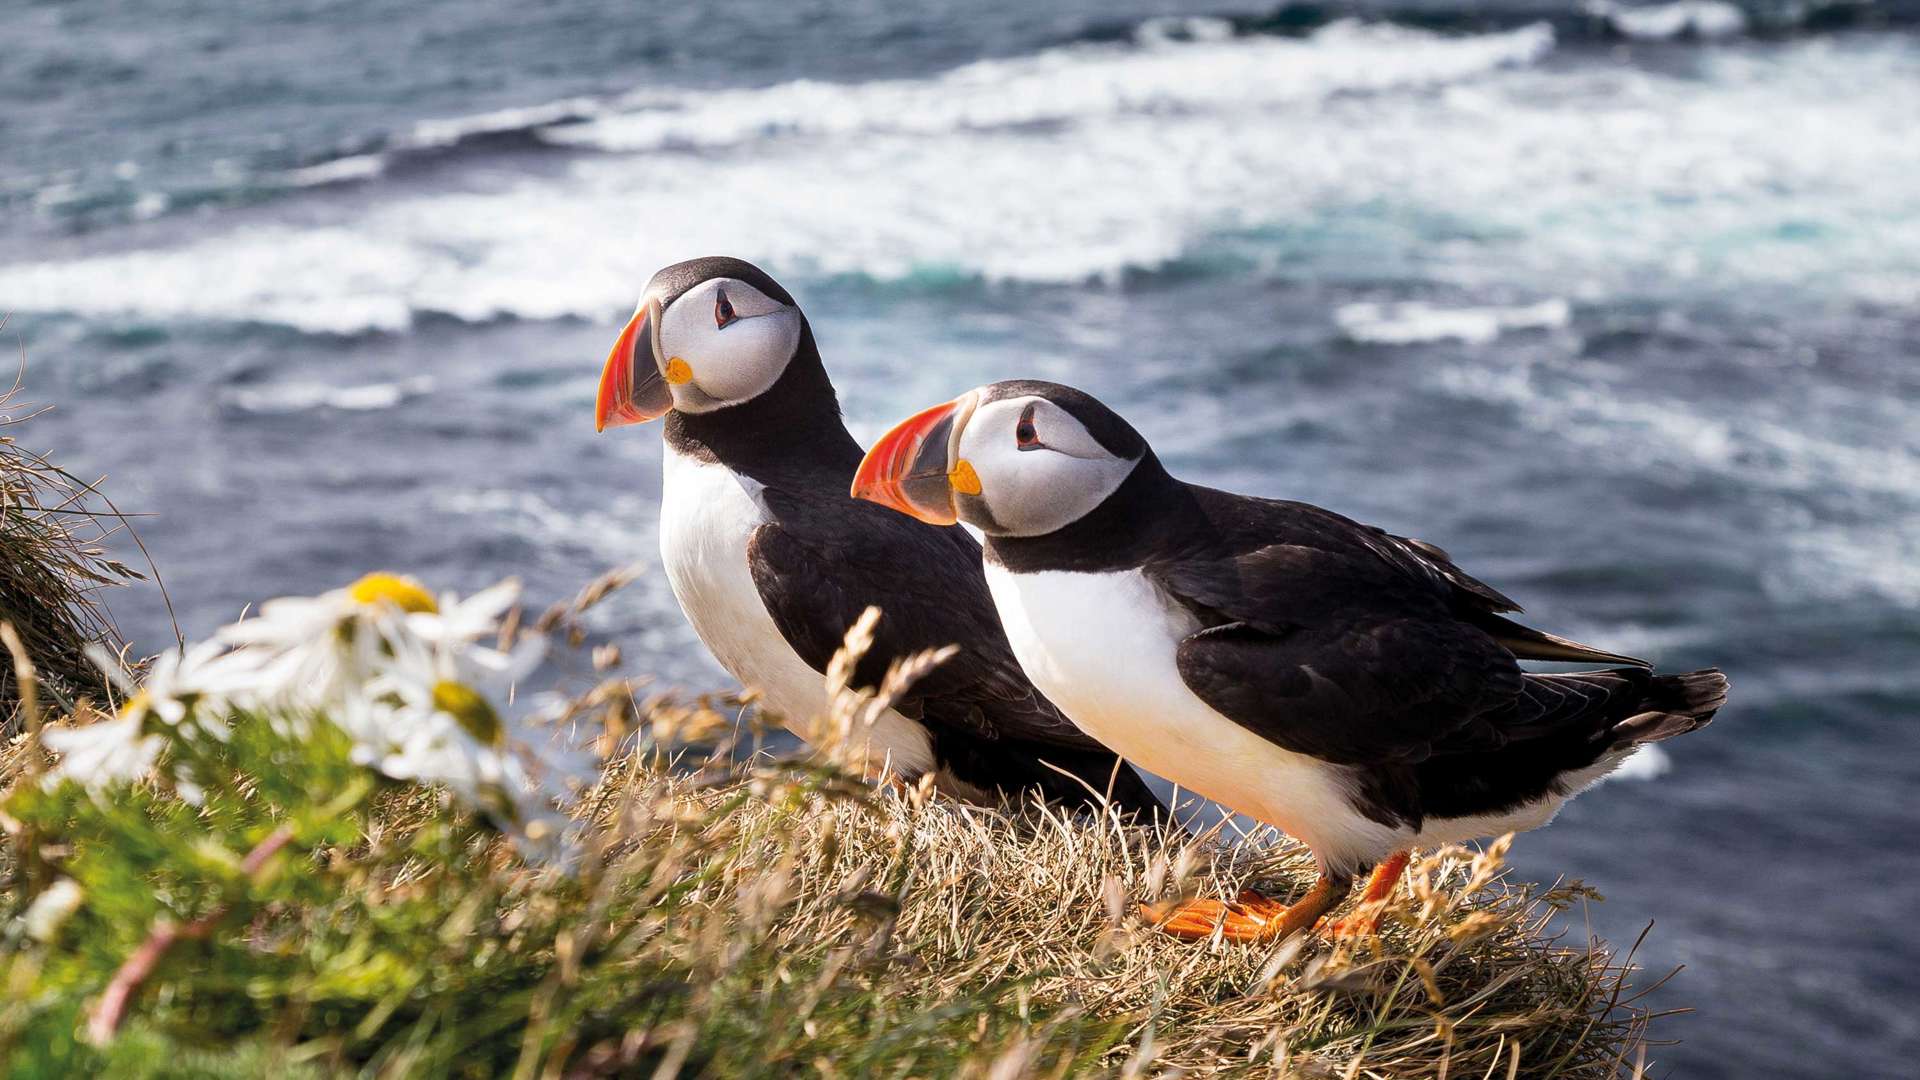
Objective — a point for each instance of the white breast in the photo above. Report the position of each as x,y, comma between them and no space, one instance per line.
1102,647
707,515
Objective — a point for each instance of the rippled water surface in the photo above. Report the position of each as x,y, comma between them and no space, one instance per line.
1628,324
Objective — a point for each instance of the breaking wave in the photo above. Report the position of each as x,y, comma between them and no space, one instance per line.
1196,149
1415,322
1067,85
295,397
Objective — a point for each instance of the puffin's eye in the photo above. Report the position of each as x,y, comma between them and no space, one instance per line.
1024,435
722,309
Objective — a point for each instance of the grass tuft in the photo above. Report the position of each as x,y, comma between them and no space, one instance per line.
52,568
941,902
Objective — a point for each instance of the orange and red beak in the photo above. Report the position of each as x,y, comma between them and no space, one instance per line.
632,390
917,469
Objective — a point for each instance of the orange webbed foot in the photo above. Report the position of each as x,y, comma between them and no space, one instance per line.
1365,922
1361,923
1250,916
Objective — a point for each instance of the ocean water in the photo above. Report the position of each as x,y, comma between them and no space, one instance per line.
1620,306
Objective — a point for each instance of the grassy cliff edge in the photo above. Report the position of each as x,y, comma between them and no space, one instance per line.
717,916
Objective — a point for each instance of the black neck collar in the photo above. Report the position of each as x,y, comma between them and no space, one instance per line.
1150,515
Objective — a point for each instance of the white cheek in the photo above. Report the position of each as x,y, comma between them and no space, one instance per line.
1031,492
755,351
734,363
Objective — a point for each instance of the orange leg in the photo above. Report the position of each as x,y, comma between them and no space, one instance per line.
1379,888
1248,917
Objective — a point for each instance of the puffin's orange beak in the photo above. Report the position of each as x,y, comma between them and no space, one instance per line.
917,469
632,390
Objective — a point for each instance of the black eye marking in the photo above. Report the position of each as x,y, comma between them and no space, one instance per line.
722,309
1024,435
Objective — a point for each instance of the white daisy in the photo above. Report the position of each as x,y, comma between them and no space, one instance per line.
51,909
404,675
449,734
466,621
188,691
323,648
100,755
292,621
320,646
197,686
425,717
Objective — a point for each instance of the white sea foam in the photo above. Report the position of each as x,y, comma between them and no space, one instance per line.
1841,561
440,134
896,177
1174,28
435,133
1649,762
1415,322
1790,167
1702,19
321,280
1076,83
293,397
337,171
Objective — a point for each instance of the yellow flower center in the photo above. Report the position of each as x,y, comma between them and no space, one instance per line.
402,592
134,705
473,712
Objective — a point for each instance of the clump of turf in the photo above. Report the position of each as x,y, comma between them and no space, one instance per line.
932,901
52,567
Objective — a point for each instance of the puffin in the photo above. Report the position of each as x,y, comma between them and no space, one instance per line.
772,563
1353,688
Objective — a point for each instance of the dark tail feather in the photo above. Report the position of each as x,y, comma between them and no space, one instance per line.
1674,705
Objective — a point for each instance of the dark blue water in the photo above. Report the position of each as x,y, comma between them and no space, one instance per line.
1628,323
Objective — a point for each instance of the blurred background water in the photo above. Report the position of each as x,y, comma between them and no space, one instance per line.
1620,305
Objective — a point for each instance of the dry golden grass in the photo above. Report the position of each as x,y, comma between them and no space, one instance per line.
1464,979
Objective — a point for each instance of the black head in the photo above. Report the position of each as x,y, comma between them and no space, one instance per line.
672,282
708,334
1107,427
1014,459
